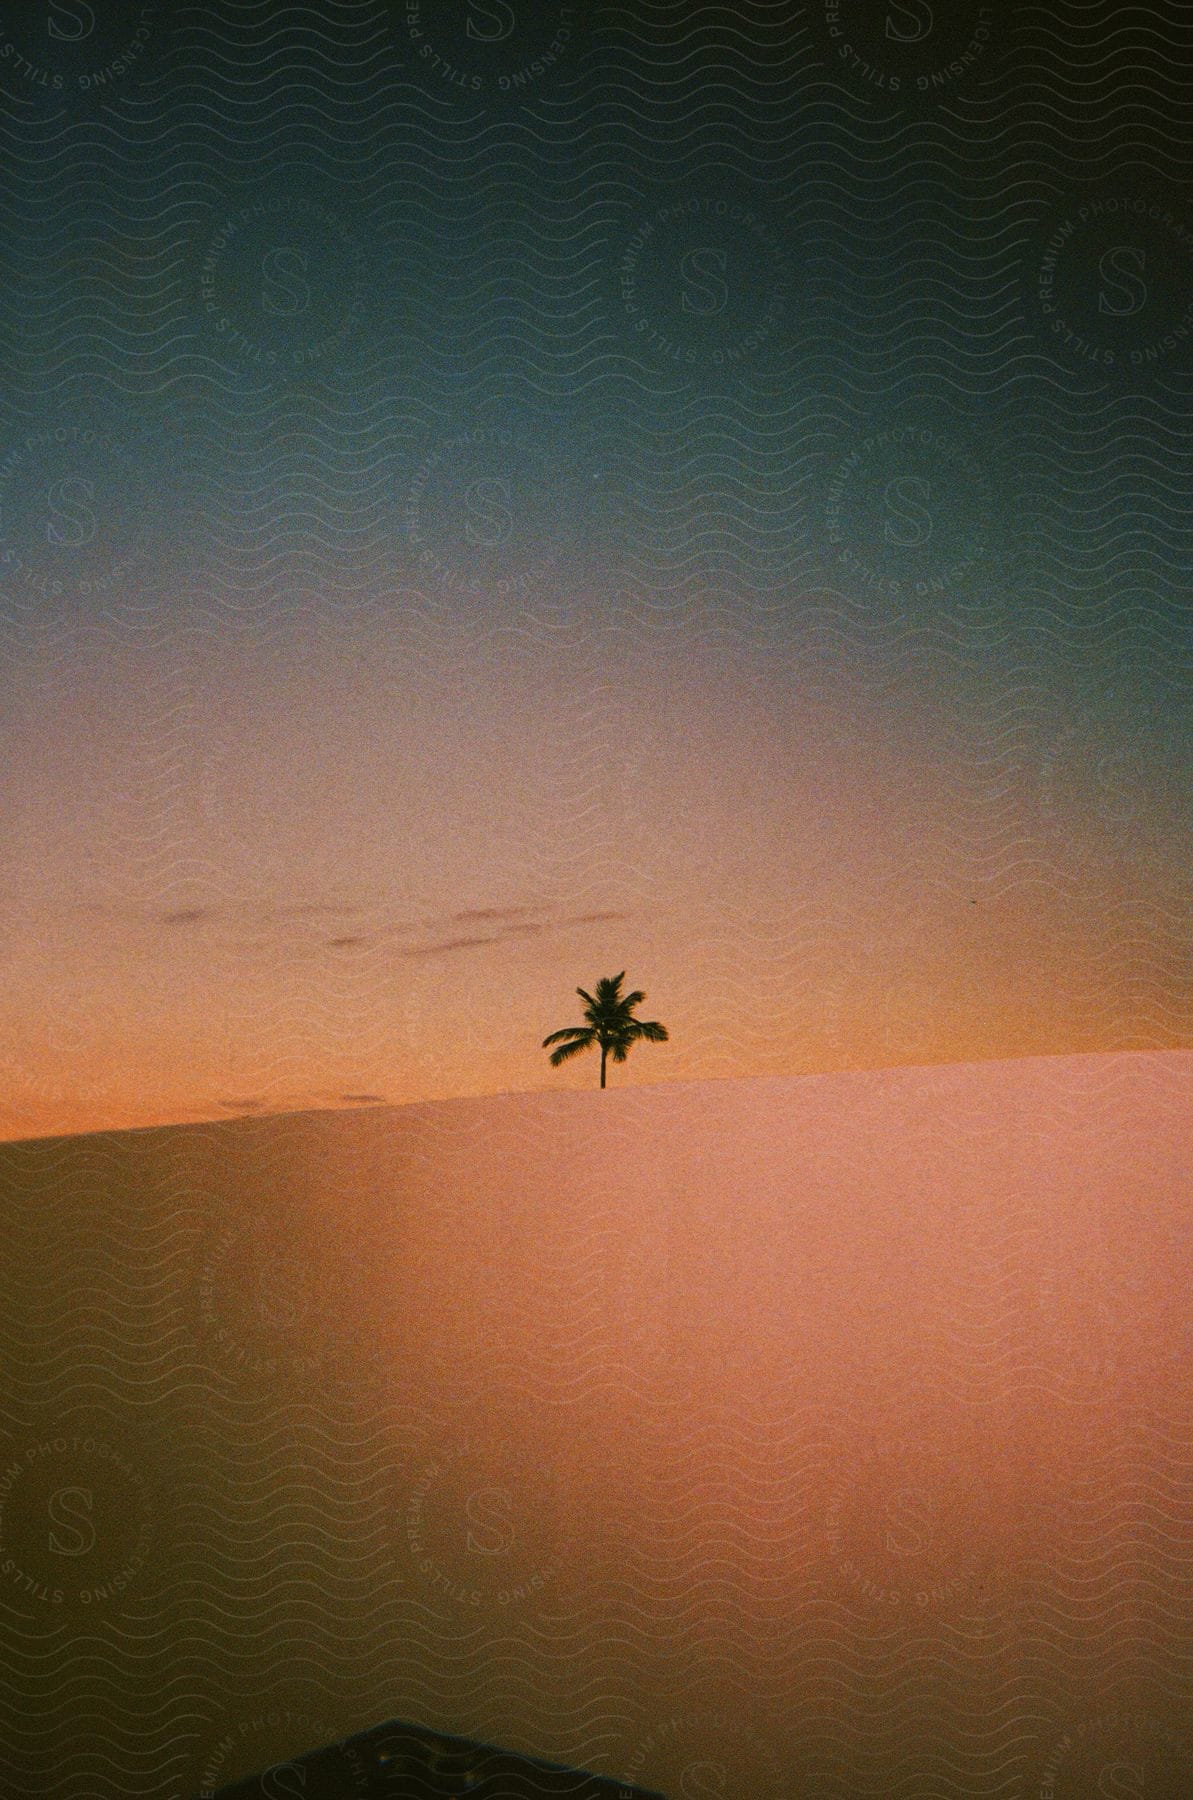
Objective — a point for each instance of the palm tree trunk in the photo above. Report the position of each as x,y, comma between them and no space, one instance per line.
602,1065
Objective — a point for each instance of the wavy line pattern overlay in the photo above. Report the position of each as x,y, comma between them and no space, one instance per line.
482,483
821,1434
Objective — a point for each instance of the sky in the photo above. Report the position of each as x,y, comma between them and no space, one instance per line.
493,496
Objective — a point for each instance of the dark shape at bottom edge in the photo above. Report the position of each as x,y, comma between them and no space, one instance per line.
401,1761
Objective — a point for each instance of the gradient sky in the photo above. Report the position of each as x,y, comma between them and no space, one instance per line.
481,509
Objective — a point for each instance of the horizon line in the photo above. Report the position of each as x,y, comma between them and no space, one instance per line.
353,1109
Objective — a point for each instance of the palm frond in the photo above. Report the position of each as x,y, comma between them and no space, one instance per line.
610,1023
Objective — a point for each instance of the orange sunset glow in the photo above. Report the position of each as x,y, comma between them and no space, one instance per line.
597,1020
304,877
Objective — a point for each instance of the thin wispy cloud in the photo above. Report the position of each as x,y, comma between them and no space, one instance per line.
448,944
311,909
299,915
489,915
504,923
512,921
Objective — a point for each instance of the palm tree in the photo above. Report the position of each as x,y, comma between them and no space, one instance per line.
611,1024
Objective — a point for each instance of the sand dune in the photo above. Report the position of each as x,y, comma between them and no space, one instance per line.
826,1434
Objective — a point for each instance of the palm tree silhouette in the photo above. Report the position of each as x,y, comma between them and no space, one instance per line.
611,1024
